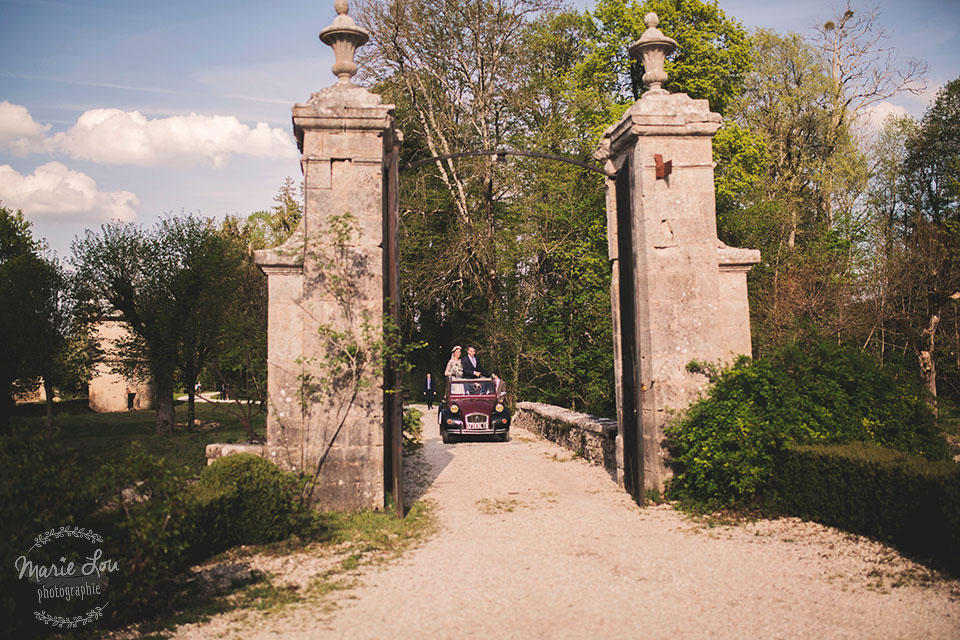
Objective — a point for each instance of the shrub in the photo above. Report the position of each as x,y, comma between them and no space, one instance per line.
247,500
150,523
885,494
161,523
412,429
40,490
724,449
154,519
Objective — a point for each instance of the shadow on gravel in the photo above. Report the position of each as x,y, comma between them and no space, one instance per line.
421,467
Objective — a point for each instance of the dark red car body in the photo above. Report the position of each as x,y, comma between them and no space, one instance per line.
471,408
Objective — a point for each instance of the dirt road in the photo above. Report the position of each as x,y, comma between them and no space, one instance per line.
536,545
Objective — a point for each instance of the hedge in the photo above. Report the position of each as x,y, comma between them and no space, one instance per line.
895,497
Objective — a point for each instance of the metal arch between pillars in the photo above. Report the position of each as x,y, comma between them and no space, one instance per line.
502,153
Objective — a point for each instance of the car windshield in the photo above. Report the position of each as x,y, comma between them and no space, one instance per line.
473,388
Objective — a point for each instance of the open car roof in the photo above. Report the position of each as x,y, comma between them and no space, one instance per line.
472,387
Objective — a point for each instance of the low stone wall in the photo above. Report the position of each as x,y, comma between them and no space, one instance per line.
592,438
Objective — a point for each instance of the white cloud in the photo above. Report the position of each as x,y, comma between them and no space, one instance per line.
876,114
19,133
112,136
53,189
926,97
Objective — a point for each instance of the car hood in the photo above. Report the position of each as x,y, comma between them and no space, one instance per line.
475,404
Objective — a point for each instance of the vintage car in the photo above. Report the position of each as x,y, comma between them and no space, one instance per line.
470,407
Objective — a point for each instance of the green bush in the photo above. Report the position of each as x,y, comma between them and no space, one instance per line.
412,429
892,496
724,448
247,500
160,522
155,519
40,490
149,523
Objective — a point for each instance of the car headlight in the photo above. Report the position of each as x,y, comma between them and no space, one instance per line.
454,408
498,408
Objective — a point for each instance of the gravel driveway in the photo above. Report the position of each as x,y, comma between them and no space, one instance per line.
534,544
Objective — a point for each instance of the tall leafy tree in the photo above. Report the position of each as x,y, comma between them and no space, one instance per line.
711,62
238,358
932,163
556,274
33,325
209,285
164,283
914,201
450,66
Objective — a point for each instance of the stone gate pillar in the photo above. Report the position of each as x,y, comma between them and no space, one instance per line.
678,294
326,294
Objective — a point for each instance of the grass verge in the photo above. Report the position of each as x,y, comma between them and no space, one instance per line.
107,437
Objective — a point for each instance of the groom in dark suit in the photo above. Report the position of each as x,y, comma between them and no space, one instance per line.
471,366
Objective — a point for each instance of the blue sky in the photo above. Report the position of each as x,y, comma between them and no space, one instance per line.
130,109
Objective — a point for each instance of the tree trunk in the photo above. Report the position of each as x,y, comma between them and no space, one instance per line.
191,404
7,405
166,417
48,391
928,366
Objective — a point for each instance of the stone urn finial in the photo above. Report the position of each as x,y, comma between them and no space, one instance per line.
344,36
652,49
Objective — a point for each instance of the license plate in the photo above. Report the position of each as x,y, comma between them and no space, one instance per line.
479,422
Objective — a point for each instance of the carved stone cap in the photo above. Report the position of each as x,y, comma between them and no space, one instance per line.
658,114
341,109
652,49
344,36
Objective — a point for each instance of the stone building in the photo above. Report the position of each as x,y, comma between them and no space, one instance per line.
111,392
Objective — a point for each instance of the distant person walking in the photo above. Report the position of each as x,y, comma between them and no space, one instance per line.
454,365
429,391
471,366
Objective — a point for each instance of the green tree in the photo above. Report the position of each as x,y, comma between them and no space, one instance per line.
451,69
36,317
164,283
238,359
913,202
932,163
270,228
210,285
555,274
711,62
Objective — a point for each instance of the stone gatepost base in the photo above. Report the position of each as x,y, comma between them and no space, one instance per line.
350,476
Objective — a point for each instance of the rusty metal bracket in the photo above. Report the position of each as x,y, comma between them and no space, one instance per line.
663,168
